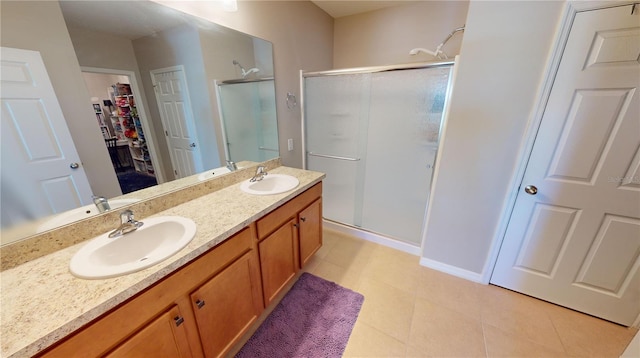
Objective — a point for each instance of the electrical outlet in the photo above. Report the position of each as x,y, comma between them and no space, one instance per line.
290,144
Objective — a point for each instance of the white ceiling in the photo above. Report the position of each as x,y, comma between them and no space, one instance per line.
351,7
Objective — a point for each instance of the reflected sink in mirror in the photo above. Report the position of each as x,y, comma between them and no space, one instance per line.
270,184
81,213
208,174
158,239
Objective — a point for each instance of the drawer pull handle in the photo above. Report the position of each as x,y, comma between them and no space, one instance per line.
179,320
199,303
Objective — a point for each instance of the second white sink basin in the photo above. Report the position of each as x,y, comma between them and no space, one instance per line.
81,213
270,184
159,238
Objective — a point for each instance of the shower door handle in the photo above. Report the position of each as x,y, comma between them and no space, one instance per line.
332,157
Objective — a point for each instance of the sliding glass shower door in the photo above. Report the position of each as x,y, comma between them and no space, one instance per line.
375,135
249,123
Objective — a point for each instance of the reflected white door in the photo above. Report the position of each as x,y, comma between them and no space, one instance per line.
172,95
576,242
41,169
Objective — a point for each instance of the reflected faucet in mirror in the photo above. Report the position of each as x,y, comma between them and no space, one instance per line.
150,43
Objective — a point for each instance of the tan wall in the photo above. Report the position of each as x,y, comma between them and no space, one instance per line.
302,35
39,26
502,64
386,36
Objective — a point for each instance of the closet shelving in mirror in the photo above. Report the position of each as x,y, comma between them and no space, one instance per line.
127,120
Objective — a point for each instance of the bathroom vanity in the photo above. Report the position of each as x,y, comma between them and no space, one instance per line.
197,303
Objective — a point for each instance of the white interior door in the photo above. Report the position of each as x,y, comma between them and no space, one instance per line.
41,169
576,242
174,105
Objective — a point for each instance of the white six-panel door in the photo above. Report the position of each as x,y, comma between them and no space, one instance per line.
41,170
576,241
177,119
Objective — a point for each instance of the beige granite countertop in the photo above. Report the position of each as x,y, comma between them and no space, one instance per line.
42,302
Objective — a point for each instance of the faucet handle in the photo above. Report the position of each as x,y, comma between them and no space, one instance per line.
231,165
126,216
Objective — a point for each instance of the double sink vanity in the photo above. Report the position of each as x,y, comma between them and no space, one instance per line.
192,280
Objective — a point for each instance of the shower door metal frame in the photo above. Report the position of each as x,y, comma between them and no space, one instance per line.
367,234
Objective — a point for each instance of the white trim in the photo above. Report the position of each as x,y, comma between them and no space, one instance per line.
451,270
303,141
373,237
142,114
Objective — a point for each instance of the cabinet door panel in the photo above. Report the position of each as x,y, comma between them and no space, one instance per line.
278,259
310,220
227,305
163,337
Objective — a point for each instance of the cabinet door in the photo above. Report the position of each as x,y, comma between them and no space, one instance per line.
163,337
279,259
227,305
310,221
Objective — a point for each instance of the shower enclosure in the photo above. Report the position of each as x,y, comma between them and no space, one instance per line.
375,133
249,122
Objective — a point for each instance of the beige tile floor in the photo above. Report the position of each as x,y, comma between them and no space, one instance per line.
413,311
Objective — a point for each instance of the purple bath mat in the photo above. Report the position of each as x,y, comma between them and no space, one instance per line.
314,319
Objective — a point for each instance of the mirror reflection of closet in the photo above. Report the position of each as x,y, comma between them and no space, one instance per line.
121,123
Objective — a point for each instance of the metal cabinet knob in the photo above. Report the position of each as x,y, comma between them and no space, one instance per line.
199,303
179,320
531,190
74,165
303,219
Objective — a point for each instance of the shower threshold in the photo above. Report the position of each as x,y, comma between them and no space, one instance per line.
361,233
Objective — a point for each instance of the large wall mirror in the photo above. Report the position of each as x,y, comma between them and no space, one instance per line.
171,97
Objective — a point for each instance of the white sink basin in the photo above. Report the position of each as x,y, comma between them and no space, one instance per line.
159,238
270,184
80,213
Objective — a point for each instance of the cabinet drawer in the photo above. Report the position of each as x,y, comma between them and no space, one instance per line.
281,215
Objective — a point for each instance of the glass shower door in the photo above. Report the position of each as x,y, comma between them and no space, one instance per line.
335,137
402,141
249,120
375,135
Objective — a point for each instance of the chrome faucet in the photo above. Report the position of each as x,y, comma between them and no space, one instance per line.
101,203
127,224
231,166
261,171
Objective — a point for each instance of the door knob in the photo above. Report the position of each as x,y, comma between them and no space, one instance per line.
531,190
74,165
192,145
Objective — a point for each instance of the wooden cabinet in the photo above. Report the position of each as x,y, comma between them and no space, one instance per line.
230,268
205,307
166,334
227,305
278,259
289,236
310,231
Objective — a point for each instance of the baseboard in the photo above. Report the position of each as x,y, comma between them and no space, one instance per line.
373,237
451,270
